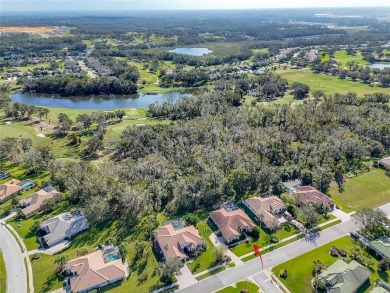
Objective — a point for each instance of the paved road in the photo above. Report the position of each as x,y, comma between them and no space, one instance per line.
275,257
266,283
14,262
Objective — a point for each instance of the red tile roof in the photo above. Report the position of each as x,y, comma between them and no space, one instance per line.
229,223
171,240
308,194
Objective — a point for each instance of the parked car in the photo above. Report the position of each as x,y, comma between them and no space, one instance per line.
355,235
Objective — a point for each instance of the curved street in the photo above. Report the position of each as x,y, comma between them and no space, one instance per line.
14,262
275,257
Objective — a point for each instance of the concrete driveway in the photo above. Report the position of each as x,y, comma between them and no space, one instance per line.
266,283
185,277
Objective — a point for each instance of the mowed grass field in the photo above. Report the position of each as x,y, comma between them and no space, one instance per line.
3,275
328,84
368,190
300,269
343,58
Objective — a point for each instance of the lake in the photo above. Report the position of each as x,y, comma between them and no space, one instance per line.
191,51
139,100
379,65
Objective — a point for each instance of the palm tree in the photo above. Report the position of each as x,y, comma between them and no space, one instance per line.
61,261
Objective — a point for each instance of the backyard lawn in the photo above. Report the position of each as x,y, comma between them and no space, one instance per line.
145,264
328,84
300,268
243,285
3,275
370,189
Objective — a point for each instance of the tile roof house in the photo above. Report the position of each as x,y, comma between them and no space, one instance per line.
14,187
266,209
178,242
96,270
33,202
232,223
308,195
381,247
63,226
342,277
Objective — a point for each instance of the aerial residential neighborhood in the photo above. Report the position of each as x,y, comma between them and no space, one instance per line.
194,146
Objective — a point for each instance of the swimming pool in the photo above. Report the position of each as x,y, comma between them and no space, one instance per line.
28,186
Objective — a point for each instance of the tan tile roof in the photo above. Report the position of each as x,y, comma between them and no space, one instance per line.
308,194
33,202
265,205
91,270
230,222
168,237
9,188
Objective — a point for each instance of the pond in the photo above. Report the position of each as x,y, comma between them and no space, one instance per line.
191,51
379,65
139,100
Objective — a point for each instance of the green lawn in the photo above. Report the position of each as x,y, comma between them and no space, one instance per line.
206,259
3,275
370,189
328,84
243,285
209,274
300,269
45,279
23,229
343,58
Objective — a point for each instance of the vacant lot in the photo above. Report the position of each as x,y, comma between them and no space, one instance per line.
300,269
370,189
329,84
26,29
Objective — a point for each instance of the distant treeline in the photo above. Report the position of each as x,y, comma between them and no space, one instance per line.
72,86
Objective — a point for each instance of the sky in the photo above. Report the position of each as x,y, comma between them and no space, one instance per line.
107,5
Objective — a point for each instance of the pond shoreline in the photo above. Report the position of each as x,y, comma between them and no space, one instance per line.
107,102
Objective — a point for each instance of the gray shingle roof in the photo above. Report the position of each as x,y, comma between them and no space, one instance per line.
341,277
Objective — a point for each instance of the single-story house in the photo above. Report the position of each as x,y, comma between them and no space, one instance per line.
63,226
385,162
13,187
33,202
291,186
342,277
96,270
178,242
309,195
266,209
381,247
232,223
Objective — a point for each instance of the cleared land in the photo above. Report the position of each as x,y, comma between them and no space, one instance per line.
3,275
368,190
300,269
26,29
328,84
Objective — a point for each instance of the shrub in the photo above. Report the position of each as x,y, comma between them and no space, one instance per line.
256,232
191,219
35,256
143,277
383,265
283,273
274,239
